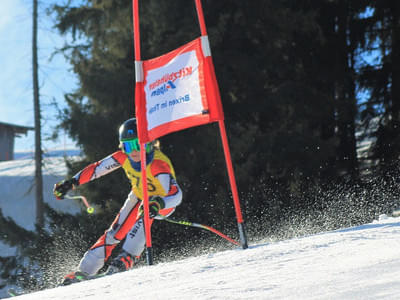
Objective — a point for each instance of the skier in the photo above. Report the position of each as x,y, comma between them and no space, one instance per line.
164,195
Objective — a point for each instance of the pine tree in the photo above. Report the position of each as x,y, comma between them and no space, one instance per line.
378,76
384,81
277,99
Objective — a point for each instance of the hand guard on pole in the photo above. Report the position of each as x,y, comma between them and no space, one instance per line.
156,203
62,187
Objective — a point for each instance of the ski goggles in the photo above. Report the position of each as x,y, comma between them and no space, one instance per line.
129,146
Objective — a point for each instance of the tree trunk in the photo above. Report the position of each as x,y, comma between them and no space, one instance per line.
36,105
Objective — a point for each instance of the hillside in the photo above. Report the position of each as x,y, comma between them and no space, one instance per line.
17,187
355,263
17,193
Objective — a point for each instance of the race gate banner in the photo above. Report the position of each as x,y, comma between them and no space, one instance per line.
179,91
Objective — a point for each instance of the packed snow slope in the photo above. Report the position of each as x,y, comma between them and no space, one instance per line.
17,190
355,263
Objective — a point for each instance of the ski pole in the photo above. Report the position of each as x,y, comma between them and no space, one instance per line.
191,224
89,209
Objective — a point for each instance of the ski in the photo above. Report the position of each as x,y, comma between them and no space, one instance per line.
13,293
90,277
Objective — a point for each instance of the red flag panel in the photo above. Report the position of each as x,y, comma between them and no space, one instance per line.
179,90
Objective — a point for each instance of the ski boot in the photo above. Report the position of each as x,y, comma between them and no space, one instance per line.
74,277
123,262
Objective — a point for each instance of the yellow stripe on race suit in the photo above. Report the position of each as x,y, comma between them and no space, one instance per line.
160,164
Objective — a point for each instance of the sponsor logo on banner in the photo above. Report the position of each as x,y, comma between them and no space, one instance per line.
167,82
173,90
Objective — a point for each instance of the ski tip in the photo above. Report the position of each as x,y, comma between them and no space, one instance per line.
13,293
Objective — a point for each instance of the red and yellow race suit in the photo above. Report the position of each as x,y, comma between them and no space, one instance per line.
128,225
159,165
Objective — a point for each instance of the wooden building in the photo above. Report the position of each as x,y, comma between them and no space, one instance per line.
7,134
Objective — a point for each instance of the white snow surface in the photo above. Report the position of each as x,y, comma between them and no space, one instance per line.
17,190
355,263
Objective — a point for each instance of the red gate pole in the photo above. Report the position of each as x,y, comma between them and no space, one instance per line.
232,181
227,153
138,99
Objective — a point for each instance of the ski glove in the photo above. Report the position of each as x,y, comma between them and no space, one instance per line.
62,187
156,203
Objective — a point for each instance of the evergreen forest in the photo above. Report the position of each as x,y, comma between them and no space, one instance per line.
311,97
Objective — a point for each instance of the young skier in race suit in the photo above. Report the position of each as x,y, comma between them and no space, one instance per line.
164,195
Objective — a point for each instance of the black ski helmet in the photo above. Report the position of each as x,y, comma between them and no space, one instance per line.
127,131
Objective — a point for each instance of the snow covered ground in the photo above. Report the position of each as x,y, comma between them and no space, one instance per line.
355,263
17,192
